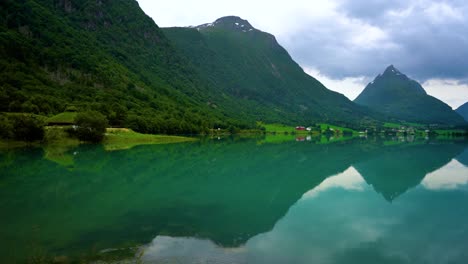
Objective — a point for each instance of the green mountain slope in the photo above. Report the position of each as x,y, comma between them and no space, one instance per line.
463,111
394,94
110,57
102,55
249,65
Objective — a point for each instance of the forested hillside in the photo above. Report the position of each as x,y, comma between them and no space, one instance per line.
102,55
249,65
110,57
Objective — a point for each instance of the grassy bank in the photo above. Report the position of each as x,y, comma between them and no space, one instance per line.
123,138
316,129
337,129
115,139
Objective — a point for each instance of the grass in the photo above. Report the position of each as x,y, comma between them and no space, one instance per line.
417,125
316,138
324,127
278,128
392,125
123,138
450,132
405,124
63,118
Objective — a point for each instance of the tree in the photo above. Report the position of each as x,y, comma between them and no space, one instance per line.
117,115
27,128
6,128
91,126
233,130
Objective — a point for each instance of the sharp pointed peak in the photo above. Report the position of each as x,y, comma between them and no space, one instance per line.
392,70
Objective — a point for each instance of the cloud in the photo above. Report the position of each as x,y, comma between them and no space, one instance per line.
442,13
447,178
164,249
349,86
369,10
451,91
349,180
426,39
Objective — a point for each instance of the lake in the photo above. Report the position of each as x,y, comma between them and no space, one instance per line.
237,200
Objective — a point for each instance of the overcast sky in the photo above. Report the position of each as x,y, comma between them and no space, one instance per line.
346,43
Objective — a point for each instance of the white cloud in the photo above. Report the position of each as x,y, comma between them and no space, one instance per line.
452,92
165,249
441,13
447,178
349,180
351,87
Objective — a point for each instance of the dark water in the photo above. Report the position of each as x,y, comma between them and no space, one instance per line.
237,201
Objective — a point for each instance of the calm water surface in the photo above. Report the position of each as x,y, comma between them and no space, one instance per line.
237,201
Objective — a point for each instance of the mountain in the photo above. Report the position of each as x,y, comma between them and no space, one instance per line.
106,56
111,57
397,96
463,111
249,65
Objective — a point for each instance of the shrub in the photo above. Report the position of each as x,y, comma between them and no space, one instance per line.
28,128
6,128
91,126
71,108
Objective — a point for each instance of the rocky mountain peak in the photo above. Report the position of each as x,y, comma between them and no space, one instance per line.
230,22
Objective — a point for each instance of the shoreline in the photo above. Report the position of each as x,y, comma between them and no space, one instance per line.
114,139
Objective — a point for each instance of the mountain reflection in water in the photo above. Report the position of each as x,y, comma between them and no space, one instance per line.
241,202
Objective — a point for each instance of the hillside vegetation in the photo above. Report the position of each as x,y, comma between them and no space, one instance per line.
106,56
249,65
109,57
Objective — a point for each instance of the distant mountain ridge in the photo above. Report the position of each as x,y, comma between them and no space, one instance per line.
396,95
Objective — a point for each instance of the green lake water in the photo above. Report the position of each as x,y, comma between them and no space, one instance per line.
237,201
